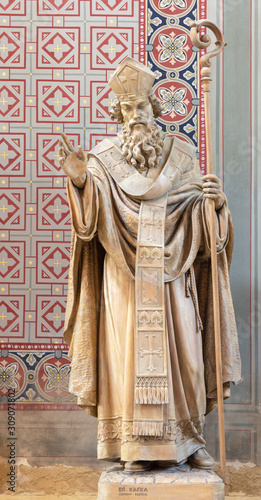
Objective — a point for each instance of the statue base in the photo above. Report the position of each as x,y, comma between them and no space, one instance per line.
172,483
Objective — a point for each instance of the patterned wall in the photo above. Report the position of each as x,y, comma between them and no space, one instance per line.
173,58
56,57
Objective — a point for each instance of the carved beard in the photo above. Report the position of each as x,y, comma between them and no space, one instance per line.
141,143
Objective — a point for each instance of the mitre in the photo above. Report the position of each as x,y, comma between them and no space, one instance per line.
131,80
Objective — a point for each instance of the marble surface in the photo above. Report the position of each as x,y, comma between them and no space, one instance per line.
183,474
161,483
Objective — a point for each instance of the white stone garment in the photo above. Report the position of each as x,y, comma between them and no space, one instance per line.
187,399
101,335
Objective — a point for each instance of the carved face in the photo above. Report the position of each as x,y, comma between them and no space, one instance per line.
141,142
138,112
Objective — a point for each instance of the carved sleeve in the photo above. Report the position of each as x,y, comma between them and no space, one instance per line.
221,226
84,207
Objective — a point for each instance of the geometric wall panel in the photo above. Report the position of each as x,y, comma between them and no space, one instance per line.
112,8
12,98
58,7
58,47
102,98
12,149
12,208
47,147
13,7
58,101
53,262
53,209
110,46
50,316
12,315
12,263
12,47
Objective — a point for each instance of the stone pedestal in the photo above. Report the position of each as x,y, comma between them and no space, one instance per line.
172,483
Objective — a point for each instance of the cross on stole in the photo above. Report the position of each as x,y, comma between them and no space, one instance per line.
151,221
179,166
129,78
121,166
151,351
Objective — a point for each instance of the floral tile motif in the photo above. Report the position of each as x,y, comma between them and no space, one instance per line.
173,58
36,377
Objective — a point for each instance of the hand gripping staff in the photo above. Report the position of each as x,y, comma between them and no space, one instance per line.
202,42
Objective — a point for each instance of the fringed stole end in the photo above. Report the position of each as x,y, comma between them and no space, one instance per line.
148,429
153,395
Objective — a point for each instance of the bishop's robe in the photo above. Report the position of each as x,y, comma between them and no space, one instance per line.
100,316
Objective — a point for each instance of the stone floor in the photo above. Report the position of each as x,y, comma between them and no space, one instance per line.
81,482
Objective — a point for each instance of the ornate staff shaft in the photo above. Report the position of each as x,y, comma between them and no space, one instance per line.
202,42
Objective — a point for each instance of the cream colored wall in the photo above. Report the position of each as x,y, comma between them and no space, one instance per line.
236,135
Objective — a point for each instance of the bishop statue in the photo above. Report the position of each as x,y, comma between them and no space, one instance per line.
139,319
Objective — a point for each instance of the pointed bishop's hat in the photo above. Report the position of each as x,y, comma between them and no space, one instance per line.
131,80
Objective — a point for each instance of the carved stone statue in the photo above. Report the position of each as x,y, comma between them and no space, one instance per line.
139,317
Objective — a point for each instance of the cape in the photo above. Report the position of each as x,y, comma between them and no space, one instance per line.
105,218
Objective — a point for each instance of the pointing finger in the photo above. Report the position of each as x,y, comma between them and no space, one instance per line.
64,146
67,142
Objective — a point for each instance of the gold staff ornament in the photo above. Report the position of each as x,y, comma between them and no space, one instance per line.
203,42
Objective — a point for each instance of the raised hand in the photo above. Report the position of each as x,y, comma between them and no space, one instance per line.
73,163
212,189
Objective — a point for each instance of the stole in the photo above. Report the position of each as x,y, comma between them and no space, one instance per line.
151,384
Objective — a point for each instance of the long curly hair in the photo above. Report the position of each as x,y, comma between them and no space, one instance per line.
116,114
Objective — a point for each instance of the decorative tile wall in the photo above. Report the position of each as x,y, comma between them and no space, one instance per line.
56,57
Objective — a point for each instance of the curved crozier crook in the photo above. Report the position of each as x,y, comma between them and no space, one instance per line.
204,41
